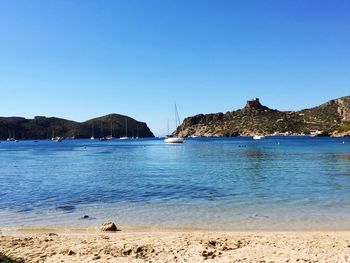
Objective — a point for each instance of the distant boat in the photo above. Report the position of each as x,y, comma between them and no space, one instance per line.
102,137
137,132
57,139
11,137
174,139
126,131
258,137
110,137
93,133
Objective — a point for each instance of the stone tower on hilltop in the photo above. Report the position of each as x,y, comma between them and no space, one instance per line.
254,103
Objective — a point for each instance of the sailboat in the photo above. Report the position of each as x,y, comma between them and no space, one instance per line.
55,138
102,137
11,138
111,136
137,132
93,133
177,123
258,137
126,131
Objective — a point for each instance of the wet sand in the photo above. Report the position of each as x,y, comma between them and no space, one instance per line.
160,245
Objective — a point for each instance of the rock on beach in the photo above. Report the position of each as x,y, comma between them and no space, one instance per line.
108,226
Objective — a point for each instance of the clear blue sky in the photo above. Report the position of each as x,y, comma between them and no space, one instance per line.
82,59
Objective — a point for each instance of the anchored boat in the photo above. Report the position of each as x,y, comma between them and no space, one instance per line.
173,139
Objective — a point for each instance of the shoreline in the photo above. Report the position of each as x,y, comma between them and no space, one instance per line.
154,229
339,135
95,228
160,245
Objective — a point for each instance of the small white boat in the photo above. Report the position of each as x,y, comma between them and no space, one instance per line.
137,132
57,139
174,140
126,131
92,133
11,137
177,122
258,137
110,137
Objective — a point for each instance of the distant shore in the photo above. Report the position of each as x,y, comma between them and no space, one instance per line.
77,245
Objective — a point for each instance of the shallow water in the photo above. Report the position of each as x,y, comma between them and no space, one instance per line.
217,183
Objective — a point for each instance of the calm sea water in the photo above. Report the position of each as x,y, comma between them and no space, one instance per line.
232,183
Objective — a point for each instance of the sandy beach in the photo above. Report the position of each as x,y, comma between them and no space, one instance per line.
62,245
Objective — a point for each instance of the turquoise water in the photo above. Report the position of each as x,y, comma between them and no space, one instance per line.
217,183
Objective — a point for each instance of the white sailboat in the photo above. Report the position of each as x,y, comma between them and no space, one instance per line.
137,132
110,137
126,131
55,138
11,138
93,133
175,139
258,137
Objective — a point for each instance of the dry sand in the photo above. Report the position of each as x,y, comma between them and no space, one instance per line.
176,246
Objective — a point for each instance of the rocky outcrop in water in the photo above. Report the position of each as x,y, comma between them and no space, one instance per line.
42,127
331,118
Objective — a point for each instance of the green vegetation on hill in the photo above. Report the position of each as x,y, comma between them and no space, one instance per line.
345,127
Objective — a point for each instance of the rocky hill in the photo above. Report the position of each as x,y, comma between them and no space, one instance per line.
46,127
331,118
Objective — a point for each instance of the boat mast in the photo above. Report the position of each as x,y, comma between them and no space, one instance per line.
126,127
111,129
168,128
93,131
177,118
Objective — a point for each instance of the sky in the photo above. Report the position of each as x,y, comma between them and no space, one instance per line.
82,59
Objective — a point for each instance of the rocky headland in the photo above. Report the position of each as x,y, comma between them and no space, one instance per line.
331,118
42,127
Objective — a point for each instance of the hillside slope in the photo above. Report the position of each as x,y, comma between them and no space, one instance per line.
46,127
332,118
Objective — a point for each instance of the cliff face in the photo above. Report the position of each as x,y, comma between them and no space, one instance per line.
332,117
42,128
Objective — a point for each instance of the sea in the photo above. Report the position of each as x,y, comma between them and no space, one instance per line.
285,183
